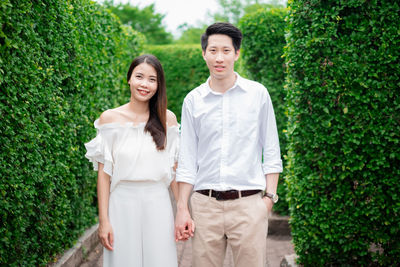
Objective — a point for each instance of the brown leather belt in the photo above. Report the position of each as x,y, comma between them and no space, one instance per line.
227,195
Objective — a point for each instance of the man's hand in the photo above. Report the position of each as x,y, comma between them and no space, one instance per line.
268,202
184,225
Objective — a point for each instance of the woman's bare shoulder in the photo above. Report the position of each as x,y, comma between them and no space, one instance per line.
111,115
171,118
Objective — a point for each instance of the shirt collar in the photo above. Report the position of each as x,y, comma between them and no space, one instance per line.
240,83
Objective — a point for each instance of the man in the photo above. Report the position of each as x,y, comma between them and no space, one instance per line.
229,156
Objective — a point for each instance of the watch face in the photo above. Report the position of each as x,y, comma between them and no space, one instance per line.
273,197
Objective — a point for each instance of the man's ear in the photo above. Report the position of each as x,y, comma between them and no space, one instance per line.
237,54
203,52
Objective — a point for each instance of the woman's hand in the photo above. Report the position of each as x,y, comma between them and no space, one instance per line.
106,235
184,225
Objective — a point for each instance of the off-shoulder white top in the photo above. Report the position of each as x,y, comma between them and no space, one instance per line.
129,153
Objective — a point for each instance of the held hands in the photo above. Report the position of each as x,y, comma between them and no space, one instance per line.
106,235
184,226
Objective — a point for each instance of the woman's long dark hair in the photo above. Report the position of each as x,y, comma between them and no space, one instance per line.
157,123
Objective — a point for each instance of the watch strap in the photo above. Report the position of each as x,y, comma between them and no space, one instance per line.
273,197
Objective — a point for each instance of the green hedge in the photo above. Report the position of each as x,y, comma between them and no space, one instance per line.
61,63
262,50
184,68
344,132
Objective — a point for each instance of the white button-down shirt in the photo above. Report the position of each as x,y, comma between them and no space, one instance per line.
229,140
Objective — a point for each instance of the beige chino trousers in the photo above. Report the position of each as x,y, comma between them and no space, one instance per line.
242,223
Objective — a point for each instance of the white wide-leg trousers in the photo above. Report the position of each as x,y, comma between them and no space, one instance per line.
143,224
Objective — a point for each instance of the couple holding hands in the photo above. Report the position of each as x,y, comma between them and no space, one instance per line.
225,161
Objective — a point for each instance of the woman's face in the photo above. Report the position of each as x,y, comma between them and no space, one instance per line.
143,82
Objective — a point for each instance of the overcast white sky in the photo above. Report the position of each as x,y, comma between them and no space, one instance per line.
178,12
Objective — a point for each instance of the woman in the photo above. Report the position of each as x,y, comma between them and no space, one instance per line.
134,152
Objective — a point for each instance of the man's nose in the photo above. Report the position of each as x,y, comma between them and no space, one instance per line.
219,57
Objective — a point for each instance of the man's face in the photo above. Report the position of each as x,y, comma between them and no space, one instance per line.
220,56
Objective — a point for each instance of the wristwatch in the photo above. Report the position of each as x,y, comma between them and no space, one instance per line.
273,197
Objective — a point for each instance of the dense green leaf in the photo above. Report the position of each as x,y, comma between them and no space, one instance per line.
342,92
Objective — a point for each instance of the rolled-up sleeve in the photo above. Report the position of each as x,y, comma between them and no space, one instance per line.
187,164
272,162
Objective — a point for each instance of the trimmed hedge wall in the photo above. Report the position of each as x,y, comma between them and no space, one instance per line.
262,50
184,68
61,63
344,128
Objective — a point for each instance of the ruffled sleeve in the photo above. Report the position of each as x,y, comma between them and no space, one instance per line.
99,150
173,144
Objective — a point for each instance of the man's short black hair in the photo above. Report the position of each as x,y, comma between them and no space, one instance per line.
222,28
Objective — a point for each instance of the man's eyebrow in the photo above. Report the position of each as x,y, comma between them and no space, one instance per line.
215,46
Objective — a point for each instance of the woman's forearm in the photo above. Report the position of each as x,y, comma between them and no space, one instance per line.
103,193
